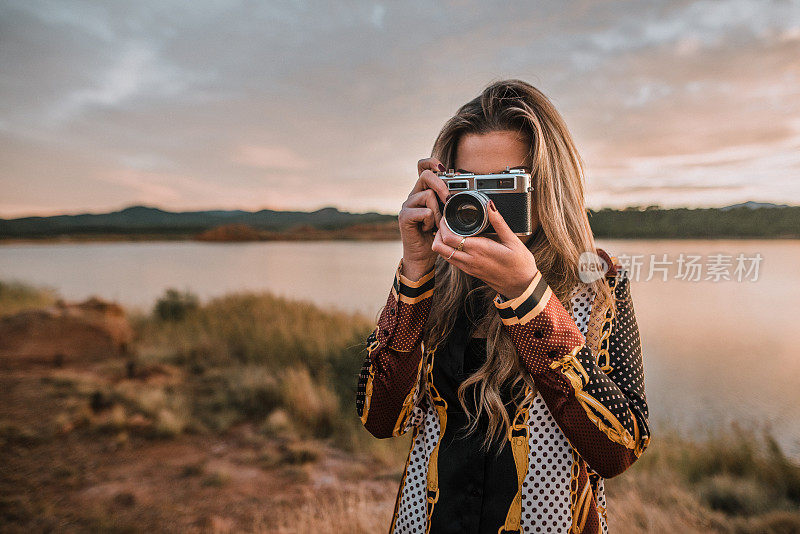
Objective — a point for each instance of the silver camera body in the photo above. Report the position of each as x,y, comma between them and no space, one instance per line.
466,212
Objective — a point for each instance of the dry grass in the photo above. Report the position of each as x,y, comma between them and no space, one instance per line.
254,328
17,296
358,511
248,356
729,480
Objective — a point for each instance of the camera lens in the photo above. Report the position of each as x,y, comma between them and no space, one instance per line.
465,213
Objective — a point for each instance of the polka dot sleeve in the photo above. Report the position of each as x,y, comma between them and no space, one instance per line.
392,368
599,404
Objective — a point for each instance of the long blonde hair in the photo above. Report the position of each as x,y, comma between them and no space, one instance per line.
564,233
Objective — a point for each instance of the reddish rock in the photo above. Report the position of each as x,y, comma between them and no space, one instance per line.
92,329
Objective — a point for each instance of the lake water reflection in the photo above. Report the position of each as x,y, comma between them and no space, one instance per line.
713,351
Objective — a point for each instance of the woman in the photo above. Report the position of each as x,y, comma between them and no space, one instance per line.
522,384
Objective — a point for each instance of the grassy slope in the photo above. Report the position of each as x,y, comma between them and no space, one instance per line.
218,424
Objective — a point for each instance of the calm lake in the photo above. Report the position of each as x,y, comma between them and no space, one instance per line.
715,349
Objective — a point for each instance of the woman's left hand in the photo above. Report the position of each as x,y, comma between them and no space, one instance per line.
505,265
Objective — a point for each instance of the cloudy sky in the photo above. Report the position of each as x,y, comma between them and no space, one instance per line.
300,105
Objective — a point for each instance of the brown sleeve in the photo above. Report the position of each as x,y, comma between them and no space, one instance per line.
392,368
602,412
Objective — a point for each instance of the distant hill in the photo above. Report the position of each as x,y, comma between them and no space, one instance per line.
745,220
151,220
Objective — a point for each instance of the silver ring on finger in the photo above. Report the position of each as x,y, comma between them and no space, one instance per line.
451,254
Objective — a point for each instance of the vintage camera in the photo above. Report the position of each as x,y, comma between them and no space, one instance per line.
466,212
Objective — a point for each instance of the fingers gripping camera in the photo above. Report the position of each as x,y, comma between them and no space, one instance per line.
466,212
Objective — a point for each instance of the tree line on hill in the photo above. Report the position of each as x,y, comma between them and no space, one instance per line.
733,222
748,220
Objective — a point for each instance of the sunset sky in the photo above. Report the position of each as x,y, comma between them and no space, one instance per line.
300,105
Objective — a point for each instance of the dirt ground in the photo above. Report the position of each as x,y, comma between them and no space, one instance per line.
72,462
57,476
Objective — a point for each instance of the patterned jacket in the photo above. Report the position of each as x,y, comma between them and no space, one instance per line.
587,419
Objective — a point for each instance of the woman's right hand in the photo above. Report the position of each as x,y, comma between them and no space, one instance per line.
419,218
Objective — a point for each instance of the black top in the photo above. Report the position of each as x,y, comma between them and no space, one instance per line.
475,487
